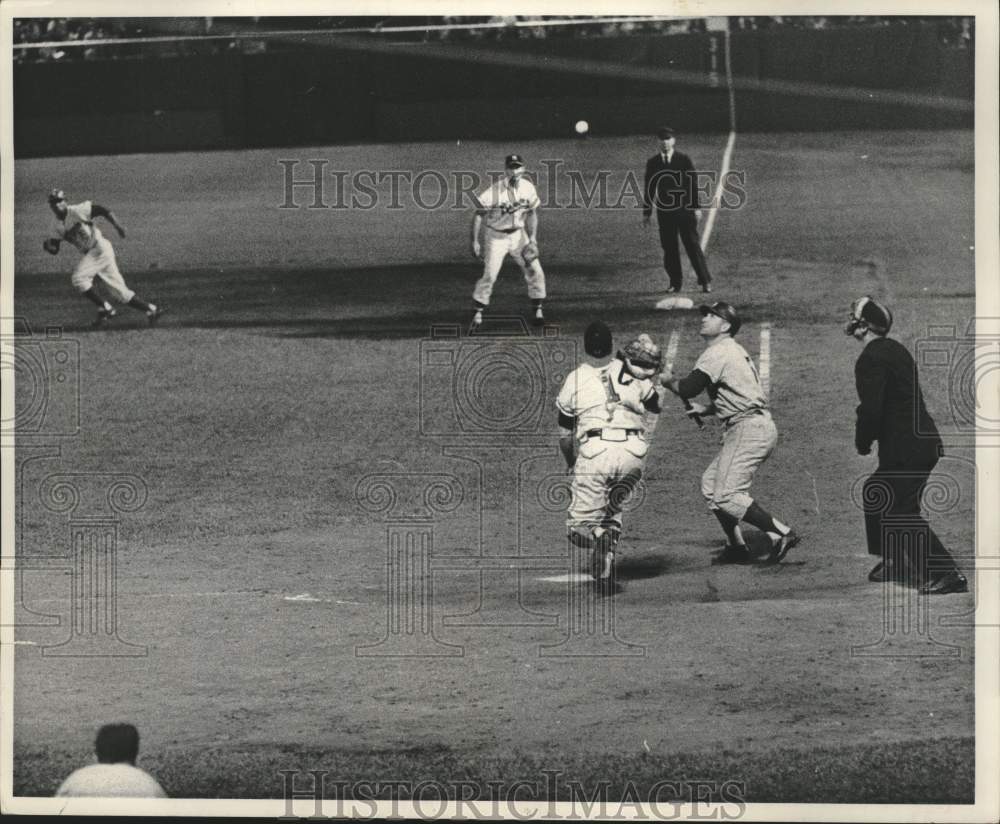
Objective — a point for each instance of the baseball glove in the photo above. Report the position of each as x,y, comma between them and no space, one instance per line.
529,254
51,245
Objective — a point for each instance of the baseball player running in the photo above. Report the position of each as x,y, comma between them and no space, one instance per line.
728,374
603,406
506,223
75,224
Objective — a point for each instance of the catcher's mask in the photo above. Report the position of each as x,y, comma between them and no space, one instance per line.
642,357
866,315
56,196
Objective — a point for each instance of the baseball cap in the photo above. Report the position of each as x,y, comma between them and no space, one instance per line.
723,310
56,195
665,132
597,340
513,160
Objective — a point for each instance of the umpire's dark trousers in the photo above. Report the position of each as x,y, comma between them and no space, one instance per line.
894,527
683,224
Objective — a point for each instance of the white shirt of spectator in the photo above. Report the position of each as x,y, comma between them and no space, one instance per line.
110,781
78,227
507,203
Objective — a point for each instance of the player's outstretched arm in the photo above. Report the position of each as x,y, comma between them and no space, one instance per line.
102,211
477,228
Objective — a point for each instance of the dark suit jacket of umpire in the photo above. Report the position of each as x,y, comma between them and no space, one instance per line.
892,409
670,187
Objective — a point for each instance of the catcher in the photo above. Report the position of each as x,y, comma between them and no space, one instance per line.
604,406
75,225
509,210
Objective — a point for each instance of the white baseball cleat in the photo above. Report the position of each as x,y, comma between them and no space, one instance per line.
477,319
539,316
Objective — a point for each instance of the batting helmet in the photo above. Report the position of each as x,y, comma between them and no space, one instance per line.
56,195
868,314
725,311
642,357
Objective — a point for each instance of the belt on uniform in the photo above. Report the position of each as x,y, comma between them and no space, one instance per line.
612,434
743,415
508,231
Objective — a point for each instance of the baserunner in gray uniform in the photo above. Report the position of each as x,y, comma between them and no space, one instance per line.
728,374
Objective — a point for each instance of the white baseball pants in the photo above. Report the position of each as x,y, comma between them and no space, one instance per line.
604,477
101,261
496,246
745,446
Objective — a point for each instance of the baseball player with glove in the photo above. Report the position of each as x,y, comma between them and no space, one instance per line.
728,374
603,407
75,225
506,223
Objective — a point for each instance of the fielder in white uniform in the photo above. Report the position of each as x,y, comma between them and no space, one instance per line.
506,223
74,224
603,408
728,374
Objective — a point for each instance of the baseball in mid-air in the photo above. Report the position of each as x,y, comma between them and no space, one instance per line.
582,127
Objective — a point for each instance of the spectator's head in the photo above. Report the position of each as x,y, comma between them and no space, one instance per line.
117,743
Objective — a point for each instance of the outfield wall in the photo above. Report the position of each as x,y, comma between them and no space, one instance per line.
341,92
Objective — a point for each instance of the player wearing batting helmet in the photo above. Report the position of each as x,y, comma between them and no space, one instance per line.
727,373
892,412
604,410
75,225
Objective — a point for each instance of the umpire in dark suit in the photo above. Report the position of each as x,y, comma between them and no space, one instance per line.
671,188
892,412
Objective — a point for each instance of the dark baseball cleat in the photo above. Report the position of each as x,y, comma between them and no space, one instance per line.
952,581
103,317
673,290
781,547
882,572
706,288
889,570
153,315
734,554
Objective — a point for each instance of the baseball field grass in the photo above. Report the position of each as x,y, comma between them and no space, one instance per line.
289,386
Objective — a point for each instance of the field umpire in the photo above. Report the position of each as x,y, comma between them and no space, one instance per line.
892,412
671,188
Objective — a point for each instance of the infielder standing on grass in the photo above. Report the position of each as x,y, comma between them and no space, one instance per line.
603,405
727,373
75,225
509,210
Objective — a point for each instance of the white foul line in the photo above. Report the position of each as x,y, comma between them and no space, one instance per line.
713,210
765,358
727,155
